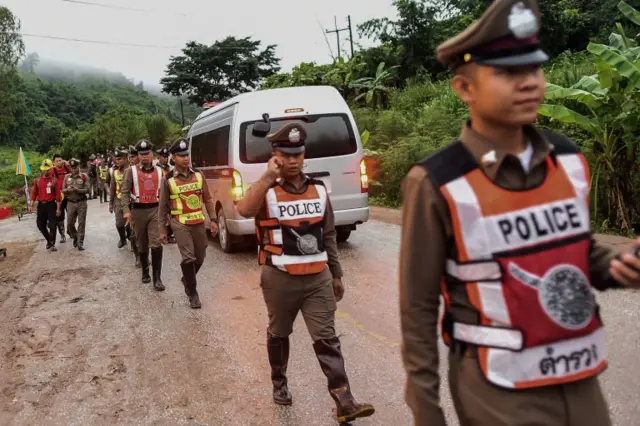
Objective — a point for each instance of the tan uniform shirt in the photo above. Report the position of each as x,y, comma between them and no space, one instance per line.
329,229
79,184
165,201
425,240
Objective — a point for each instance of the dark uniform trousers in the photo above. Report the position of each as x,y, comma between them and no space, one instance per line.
63,209
77,211
146,230
117,210
285,295
479,403
46,220
192,241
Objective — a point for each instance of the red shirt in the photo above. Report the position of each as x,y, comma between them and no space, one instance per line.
45,189
60,174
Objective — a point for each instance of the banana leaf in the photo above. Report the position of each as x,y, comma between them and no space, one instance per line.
556,92
617,61
566,115
605,74
629,12
591,84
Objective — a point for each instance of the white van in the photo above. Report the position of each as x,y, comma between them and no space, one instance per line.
231,158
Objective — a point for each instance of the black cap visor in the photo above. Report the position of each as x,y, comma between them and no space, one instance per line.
537,57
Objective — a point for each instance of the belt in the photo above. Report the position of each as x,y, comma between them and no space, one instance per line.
77,201
46,202
145,205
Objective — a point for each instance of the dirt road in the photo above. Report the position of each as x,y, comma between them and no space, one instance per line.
83,341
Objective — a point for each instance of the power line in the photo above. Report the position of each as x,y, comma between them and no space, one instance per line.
100,42
109,6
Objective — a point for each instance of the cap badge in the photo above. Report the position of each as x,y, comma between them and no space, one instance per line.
522,22
467,57
143,144
294,136
183,145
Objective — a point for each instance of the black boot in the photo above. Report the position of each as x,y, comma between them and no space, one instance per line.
123,236
63,239
330,358
144,260
278,351
81,244
190,284
156,267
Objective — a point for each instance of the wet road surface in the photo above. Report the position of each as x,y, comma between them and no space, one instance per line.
85,342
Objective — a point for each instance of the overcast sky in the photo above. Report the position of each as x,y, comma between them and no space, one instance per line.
294,25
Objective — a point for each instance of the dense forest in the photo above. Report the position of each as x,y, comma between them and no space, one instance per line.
400,95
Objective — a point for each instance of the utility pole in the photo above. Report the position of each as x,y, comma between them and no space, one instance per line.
181,110
337,31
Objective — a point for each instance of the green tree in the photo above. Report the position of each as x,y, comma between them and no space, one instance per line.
157,130
11,50
30,63
222,70
375,91
606,106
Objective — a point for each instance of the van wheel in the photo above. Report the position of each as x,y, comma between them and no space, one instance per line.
223,234
343,233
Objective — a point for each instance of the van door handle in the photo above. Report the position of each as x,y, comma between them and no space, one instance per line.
318,174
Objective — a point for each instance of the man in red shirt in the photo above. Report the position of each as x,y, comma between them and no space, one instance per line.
61,169
46,196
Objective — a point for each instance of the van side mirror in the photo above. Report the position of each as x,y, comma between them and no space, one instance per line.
262,128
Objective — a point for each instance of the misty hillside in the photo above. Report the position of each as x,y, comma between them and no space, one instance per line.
58,105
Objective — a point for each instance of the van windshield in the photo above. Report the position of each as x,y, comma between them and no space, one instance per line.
328,135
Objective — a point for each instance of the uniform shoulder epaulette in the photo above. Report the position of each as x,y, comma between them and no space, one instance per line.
315,181
449,163
561,143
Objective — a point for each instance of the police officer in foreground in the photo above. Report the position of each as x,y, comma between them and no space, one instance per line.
75,190
182,195
301,270
497,223
140,197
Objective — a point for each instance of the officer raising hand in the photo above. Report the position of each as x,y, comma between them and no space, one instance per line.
301,270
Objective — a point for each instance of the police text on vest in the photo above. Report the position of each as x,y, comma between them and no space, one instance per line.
538,224
301,209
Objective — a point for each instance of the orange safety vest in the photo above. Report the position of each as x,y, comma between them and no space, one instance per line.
291,237
522,258
186,199
146,186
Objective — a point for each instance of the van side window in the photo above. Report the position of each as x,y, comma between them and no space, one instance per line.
211,148
329,135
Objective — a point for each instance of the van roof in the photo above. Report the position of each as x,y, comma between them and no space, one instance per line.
264,99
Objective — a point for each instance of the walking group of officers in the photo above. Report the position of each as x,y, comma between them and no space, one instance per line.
496,224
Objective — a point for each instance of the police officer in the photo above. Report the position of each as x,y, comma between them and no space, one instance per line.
103,172
115,197
182,194
497,223
301,270
75,189
163,163
93,177
61,169
130,225
163,159
140,197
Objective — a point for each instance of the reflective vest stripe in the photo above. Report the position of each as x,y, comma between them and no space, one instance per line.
505,338
474,271
283,259
136,184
